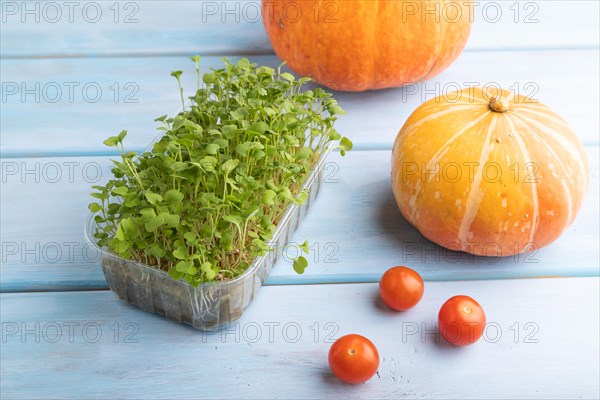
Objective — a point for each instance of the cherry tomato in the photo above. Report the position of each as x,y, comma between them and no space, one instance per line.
353,358
401,288
461,320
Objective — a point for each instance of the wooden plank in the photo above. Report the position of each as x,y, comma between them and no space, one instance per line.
538,330
77,127
138,28
355,229
523,24
234,27
360,233
115,94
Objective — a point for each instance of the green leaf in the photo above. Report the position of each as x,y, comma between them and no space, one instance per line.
212,148
154,223
94,207
242,149
268,197
304,153
345,145
190,237
250,214
113,208
180,253
128,225
153,198
155,251
288,77
192,270
206,266
133,202
191,124
301,197
286,194
223,143
234,219
243,63
179,166
269,111
176,275
238,114
112,141
176,74
207,163
119,234
300,264
122,135
230,165
208,78
210,275
183,266
173,196
260,127
304,247
336,110
120,191
148,213
171,220
334,135
226,241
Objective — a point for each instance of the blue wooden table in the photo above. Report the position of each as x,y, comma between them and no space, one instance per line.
75,74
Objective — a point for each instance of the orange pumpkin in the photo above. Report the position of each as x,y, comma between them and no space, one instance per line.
367,44
488,173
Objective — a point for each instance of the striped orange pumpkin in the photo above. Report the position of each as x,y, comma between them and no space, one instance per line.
367,44
488,173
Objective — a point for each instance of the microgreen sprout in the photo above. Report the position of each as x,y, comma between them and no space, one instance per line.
196,60
177,75
205,200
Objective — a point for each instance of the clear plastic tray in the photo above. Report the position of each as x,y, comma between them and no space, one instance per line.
209,306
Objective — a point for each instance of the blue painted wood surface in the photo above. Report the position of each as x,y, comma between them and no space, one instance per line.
167,28
550,48
372,122
355,229
542,343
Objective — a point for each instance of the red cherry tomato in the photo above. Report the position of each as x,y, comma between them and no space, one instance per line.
401,288
461,320
353,358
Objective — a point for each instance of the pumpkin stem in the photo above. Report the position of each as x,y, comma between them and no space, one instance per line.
498,104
